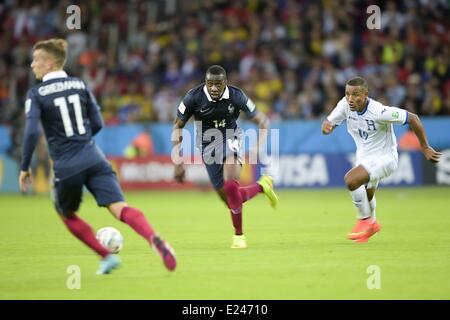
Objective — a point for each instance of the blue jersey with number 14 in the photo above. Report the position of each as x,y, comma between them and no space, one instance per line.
216,115
70,116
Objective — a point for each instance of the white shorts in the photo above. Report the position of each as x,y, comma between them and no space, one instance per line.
378,167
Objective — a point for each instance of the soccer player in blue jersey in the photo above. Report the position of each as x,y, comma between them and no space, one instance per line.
70,117
216,106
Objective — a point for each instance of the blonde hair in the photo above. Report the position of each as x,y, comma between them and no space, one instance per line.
57,48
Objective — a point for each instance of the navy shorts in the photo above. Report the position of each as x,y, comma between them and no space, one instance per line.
99,179
214,156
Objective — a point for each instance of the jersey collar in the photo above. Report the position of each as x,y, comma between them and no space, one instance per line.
225,94
55,75
365,108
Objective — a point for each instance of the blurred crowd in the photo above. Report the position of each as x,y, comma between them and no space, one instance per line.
292,57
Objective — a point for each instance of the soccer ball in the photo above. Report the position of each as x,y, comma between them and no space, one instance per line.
110,238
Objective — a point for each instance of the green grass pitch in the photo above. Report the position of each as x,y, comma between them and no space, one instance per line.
299,251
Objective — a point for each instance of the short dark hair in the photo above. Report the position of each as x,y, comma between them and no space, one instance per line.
216,70
358,82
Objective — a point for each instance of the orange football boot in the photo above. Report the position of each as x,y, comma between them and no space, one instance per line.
363,230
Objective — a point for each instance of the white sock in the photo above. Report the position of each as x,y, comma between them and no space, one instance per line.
361,202
373,205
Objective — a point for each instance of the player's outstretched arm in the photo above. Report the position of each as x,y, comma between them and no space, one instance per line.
30,140
327,127
95,117
416,125
177,138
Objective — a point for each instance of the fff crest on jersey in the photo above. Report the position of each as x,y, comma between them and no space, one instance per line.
230,108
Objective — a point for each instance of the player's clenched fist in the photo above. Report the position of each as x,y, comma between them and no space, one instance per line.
327,127
179,173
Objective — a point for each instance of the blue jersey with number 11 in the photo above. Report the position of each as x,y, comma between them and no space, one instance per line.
70,116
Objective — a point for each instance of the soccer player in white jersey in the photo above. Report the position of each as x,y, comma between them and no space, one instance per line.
369,122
